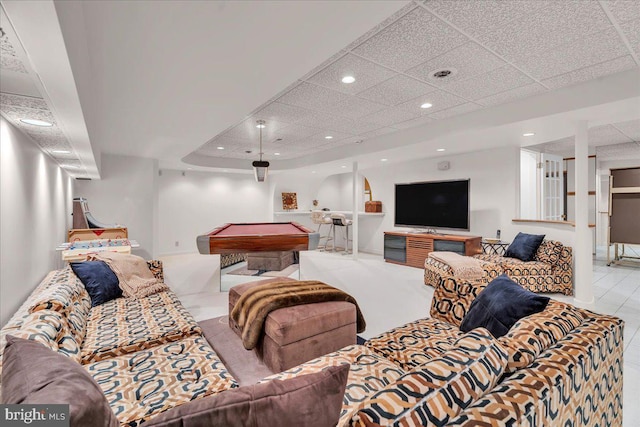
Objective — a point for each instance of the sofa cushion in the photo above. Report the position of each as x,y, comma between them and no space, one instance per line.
415,343
437,391
500,305
549,252
143,384
369,373
34,374
533,334
312,400
524,246
100,282
126,325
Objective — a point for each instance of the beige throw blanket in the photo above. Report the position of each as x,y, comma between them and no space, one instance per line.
253,307
464,267
136,280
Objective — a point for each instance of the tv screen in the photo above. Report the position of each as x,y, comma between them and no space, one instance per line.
436,204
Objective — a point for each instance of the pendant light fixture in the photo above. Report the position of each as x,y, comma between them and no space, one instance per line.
260,167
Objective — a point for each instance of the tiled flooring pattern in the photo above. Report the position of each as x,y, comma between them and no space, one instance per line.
390,295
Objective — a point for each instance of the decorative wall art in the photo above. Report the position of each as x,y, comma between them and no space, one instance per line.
289,201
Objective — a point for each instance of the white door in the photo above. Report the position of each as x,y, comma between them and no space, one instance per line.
551,187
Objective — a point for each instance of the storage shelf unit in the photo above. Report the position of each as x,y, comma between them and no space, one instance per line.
413,248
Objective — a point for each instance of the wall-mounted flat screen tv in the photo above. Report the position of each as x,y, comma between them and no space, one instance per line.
435,204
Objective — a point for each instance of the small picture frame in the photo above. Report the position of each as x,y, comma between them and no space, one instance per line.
289,201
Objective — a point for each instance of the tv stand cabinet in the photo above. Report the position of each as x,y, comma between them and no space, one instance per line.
413,248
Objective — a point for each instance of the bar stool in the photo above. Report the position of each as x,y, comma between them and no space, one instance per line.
320,219
340,220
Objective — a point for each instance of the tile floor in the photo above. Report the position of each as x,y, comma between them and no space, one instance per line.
390,295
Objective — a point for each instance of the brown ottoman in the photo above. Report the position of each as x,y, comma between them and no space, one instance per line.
295,335
271,261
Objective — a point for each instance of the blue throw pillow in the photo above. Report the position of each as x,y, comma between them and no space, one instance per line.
500,305
101,283
524,246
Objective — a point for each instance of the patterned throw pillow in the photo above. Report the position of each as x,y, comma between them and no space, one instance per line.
532,335
436,392
549,252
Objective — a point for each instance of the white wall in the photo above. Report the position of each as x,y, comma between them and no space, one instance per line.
35,213
198,202
127,195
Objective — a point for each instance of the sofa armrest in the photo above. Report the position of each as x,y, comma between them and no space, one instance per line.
563,271
155,265
453,296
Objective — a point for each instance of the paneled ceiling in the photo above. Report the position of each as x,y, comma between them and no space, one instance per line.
184,82
497,52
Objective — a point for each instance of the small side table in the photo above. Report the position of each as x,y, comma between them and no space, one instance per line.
494,247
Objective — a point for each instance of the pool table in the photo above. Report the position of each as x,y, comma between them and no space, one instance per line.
258,237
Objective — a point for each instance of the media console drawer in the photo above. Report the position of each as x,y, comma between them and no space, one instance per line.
413,248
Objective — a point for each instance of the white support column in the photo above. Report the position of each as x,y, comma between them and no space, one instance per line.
355,208
582,256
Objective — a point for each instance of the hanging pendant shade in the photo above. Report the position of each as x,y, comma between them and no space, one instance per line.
260,167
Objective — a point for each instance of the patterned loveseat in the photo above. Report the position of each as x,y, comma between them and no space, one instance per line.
550,271
559,367
147,355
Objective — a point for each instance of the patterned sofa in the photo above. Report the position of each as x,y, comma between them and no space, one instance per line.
559,367
562,366
147,355
550,271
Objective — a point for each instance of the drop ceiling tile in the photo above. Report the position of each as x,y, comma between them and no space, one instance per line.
16,113
355,108
392,115
630,128
556,24
366,73
440,100
9,59
458,59
512,94
606,135
455,111
591,50
631,30
22,101
413,122
327,121
293,132
624,10
377,132
628,150
490,83
247,130
591,72
480,17
416,37
396,90
282,113
313,97
388,21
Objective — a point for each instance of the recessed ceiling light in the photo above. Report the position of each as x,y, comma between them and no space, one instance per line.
36,122
189,169
276,154
61,151
261,126
440,149
328,137
343,166
383,160
348,79
313,171
220,148
426,105
70,166
528,134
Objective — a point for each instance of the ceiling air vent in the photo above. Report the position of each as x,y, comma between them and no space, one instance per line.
443,73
